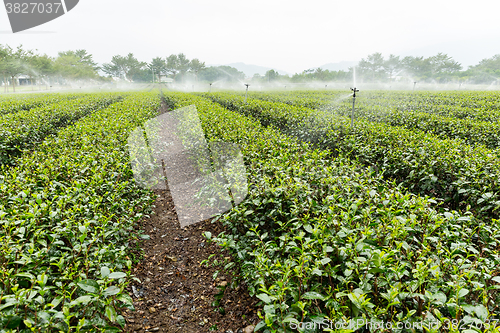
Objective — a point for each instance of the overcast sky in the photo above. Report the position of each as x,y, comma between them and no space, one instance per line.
287,35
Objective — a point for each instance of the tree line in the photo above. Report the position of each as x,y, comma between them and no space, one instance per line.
76,65
79,65
42,69
440,68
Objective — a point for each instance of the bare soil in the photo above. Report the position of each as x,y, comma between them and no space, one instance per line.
176,291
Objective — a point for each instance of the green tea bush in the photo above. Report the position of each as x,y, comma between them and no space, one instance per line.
475,123
15,103
25,129
323,239
67,216
448,169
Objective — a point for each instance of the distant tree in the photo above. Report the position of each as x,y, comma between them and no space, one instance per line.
372,67
83,58
443,66
196,66
298,77
70,66
231,73
225,73
321,74
392,66
14,64
209,74
490,64
271,75
140,74
486,71
183,64
172,65
442,63
4,54
417,67
124,67
159,66
256,76
31,65
44,67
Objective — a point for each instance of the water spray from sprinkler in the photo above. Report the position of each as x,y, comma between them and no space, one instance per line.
246,92
354,90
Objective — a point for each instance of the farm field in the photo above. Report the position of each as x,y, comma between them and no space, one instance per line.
391,221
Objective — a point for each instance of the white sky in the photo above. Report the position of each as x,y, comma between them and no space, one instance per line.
286,35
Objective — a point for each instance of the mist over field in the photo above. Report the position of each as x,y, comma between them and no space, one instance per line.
76,69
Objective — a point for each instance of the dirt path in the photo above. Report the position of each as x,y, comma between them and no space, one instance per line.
176,292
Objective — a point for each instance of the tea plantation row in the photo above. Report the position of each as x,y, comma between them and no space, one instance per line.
17,103
27,128
322,238
478,106
68,213
409,111
450,170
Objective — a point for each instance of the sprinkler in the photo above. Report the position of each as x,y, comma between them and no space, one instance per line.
246,92
210,87
414,84
354,90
